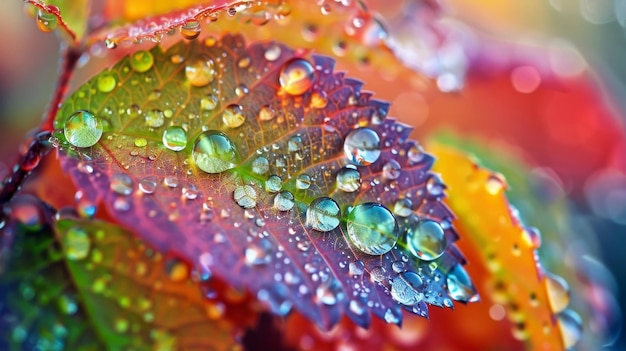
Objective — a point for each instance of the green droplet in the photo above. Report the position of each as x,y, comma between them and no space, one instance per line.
46,21
323,214
175,138
106,82
99,285
124,302
214,152
372,228
76,243
82,129
141,142
141,61
426,240
121,325
67,304
155,118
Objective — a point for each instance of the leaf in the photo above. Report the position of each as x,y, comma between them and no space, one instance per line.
71,16
228,221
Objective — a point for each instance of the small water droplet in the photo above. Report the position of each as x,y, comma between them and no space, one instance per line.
147,186
277,298
84,206
323,214
200,72
558,292
405,288
319,99
133,111
233,116
273,183
362,146
303,181
176,270
348,179
177,59
284,201
495,184
259,253
294,144
532,236
397,266
426,239
272,53
372,228
214,152
266,113
121,184
434,185
245,196
329,292
296,76
403,207
356,268
82,129
209,102
391,317
190,30
378,274
106,82
260,165
241,90
46,21
190,192
76,243
141,142
571,327
141,61
154,118
175,138
460,287
391,170
170,182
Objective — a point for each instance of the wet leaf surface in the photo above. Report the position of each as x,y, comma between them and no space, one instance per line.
228,155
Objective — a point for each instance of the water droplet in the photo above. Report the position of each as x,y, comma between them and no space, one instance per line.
405,288
284,201
434,185
133,111
532,236
121,184
460,286
67,304
266,113
356,268
272,53
296,76
326,9
398,266
141,61
303,245
329,292
245,196
76,243
571,327
362,146
260,165
46,21
372,228
303,181
190,192
154,118
259,253
319,99
175,138
377,274
28,211
277,297
558,292
415,153
348,179
147,186
244,62
403,207
200,72
233,116
241,90
294,144
190,30
495,184
426,240
106,82
82,129
176,270
85,207
357,307
323,214
177,59
209,102
391,170
214,152
391,317
273,183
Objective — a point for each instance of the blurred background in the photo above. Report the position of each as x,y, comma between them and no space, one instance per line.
542,79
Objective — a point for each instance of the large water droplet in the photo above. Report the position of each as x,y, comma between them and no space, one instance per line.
245,196
348,179
175,138
362,146
284,201
329,292
46,21
214,152
141,61
76,243
190,30
296,76
303,181
323,214
121,183
460,286
558,292
106,82
154,118
233,116
260,165
273,183
405,288
200,72
372,228
426,239
82,129
571,327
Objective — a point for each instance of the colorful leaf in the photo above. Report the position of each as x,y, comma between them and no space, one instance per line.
225,155
71,16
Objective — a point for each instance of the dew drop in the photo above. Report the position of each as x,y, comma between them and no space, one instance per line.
76,243
303,246
121,184
82,129
241,90
147,186
245,196
377,274
266,113
200,72
208,102
405,288
170,182
348,179
190,30
177,59
362,146
460,287
329,292
391,170
28,211
294,144
426,240
141,61
106,82
154,118
133,111
571,327
277,298
356,267
85,207
434,185
372,228
258,253
46,21
391,317
415,153
323,214
272,53
532,236
214,152
357,307
398,266
403,207
273,183
175,138
233,116
303,181
319,99
284,201
260,165
176,270
558,292
141,142
296,76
